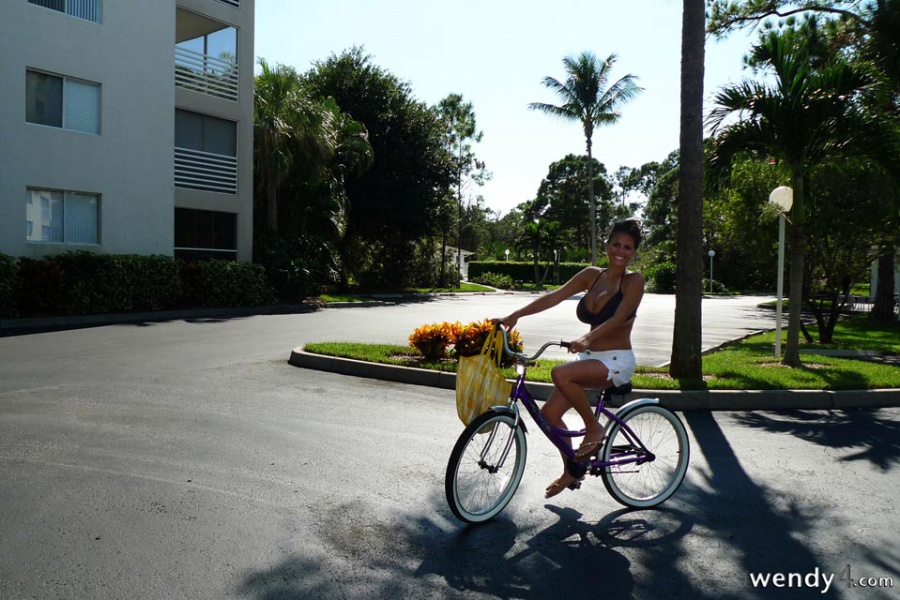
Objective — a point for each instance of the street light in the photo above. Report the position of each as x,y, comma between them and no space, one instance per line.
507,255
783,197
711,254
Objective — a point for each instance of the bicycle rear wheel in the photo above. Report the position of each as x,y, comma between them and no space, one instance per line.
647,484
485,467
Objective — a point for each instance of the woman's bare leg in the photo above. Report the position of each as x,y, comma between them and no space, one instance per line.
570,381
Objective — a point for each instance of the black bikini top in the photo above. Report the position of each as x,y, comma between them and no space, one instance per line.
605,313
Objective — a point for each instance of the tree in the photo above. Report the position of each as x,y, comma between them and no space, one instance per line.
727,15
687,337
287,121
462,131
837,258
585,100
396,203
807,117
561,198
875,25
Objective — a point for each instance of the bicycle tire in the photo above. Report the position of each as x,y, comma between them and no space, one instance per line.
478,489
648,484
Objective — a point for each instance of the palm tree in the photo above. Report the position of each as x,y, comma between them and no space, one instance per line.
290,131
687,339
585,100
808,116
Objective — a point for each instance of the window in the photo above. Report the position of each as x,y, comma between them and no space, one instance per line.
83,9
62,217
205,234
62,102
205,152
195,131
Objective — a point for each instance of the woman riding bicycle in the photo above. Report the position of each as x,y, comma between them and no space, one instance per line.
609,306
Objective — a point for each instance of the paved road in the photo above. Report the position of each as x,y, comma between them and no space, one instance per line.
724,319
188,460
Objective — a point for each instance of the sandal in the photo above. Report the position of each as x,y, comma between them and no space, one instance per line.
587,449
558,486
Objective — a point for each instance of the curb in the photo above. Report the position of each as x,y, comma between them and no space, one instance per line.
20,326
734,400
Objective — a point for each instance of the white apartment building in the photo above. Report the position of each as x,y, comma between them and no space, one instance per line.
126,126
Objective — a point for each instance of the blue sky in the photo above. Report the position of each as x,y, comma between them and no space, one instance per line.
496,53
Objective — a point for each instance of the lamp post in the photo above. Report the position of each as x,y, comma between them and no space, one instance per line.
711,254
783,197
507,255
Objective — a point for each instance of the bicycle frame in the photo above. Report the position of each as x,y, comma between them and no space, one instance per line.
635,453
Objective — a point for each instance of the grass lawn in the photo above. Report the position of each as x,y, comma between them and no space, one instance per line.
744,365
365,296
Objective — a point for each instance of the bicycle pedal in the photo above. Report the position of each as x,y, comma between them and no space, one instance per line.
575,485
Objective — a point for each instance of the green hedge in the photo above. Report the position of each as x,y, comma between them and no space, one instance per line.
520,271
82,282
226,283
10,286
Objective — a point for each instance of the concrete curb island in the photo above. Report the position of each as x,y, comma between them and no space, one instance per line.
674,399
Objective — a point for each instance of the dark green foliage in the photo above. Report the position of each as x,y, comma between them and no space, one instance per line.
42,287
225,284
85,283
662,277
503,282
78,283
397,200
518,271
294,268
10,287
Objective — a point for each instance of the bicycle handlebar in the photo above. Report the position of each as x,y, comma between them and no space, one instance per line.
523,357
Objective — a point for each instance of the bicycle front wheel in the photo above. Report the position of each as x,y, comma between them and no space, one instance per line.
485,467
655,477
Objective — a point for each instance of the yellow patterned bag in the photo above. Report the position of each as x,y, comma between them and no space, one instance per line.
479,381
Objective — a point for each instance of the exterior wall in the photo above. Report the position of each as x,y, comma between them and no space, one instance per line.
240,111
130,164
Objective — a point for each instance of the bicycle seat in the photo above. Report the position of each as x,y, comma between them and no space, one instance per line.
621,390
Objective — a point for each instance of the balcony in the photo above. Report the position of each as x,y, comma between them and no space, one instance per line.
200,170
206,74
206,55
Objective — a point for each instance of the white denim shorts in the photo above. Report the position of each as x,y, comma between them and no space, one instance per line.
620,363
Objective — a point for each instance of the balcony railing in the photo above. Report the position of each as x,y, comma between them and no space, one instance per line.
206,74
205,171
234,3
88,10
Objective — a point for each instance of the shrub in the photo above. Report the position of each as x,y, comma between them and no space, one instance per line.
520,270
104,283
225,283
496,280
42,287
662,277
293,269
10,286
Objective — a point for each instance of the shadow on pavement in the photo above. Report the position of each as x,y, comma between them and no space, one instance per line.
869,434
705,543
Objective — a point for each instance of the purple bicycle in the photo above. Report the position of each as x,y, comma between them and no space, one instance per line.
642,461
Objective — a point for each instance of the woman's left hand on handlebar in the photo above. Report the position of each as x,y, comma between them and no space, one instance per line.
579,345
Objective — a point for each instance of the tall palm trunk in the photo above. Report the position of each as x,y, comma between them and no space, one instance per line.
798,245
592,203
883,309
688,329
